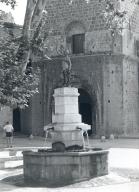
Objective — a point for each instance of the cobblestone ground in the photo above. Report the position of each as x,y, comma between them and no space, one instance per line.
123,168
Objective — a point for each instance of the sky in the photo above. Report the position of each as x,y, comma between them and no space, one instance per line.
19,11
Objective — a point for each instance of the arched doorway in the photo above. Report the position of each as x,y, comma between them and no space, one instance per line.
86,109
16,120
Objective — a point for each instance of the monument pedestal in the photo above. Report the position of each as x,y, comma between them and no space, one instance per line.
67,119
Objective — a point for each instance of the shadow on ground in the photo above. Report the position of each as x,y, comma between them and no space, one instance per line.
19,181
116,176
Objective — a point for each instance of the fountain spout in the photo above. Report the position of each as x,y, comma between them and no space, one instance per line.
86,133
48,128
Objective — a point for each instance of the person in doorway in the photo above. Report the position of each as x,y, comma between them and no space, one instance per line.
8,128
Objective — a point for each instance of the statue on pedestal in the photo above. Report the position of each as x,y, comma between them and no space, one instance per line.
66,71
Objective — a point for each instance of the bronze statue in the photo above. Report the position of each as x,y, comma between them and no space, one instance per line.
66,66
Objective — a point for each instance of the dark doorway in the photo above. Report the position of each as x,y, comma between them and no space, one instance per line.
16,120
85,108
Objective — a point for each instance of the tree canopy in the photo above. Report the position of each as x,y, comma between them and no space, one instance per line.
6,17
16,85
12,3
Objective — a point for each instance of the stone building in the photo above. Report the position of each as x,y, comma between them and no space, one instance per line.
104,68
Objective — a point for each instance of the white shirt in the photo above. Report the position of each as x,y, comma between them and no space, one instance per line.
8,128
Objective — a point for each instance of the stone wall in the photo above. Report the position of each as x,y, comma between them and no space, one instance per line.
113,95
98,41
87,76
101,77
65,19
62,12
32,117
131,27
88,18
130,68
105,78
130,96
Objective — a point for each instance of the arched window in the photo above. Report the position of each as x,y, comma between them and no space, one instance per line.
75,33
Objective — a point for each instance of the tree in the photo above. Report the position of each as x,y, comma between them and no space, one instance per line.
6,17
16,86
12,3
33,34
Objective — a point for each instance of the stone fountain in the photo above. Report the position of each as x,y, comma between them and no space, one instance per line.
67,120
68,161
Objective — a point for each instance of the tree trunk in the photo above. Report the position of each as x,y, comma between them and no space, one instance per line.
33,16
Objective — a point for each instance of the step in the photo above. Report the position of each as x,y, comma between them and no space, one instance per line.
11,162
17,151
12,158
10,153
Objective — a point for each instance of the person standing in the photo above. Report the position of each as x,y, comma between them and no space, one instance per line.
8,128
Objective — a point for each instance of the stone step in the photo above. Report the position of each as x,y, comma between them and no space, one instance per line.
17,151
12,168
11,162
13,158
10,153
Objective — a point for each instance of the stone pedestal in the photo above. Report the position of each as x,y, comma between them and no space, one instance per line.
67,117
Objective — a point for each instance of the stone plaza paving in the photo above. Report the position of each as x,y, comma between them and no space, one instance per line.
123,167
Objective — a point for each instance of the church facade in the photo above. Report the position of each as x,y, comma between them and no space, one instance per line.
104,69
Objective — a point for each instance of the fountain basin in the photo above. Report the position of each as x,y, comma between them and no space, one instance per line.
62,168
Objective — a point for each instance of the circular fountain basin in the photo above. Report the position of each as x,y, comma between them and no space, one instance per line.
62,168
